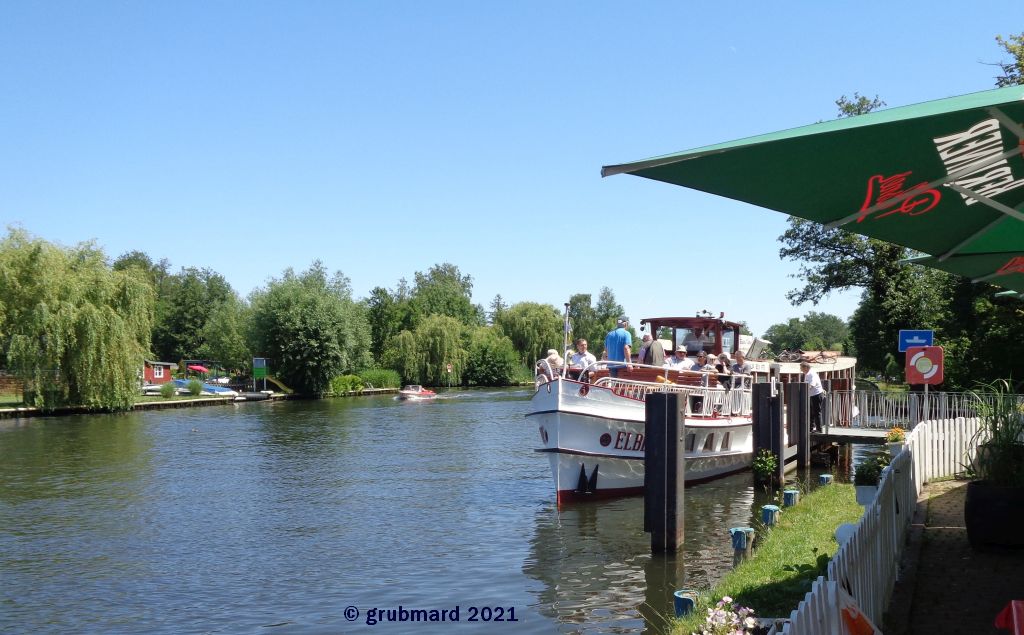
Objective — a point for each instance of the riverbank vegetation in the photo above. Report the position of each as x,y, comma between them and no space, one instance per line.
787,558
74,328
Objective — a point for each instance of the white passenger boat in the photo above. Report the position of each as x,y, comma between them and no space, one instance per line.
591,423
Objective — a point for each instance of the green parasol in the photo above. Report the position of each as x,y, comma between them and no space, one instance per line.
945,178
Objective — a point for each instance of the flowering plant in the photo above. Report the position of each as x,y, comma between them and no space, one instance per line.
895,435
728,619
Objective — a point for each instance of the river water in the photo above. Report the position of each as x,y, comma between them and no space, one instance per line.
294,517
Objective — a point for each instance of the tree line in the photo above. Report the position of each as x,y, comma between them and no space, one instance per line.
75,327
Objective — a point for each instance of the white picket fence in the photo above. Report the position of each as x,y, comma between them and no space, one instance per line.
866,565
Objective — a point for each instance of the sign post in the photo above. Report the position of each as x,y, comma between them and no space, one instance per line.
925,366
259,371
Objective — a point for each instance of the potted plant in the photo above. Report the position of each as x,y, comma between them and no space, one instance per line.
865,478
994,505
894,440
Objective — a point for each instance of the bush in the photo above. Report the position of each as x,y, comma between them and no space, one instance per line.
167,390
195,387
492,359
346,383
869,471
381,378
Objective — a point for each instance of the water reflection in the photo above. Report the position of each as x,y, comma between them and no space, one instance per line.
596,568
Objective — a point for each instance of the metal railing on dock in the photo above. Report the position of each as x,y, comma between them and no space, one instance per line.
876,409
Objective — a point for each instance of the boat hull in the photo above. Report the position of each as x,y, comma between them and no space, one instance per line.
594,439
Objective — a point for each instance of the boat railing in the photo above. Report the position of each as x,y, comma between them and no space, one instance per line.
634,389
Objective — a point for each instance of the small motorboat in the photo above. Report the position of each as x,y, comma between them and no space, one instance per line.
415,392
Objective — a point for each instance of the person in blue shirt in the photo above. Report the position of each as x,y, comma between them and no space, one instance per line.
618,344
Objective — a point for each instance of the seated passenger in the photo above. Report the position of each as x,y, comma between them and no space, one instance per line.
701,365
724,371
678,361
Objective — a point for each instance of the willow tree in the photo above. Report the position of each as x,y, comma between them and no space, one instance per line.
533,328
71,328
439,340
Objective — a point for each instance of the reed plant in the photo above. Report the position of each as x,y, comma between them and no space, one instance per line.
1000,438
381,378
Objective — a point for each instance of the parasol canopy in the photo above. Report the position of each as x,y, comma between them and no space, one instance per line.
198,368
945,178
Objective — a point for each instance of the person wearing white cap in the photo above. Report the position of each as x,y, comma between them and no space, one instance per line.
618,344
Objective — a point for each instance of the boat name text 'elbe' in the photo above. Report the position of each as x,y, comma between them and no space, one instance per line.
976,145
629,441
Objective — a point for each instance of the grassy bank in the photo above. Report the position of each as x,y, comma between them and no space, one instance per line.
787,558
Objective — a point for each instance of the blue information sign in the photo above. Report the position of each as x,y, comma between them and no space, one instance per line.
915,338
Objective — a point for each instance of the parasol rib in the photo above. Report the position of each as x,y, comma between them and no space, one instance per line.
980,232
981,198
1008,123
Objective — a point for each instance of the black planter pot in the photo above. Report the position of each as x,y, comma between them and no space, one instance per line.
994,515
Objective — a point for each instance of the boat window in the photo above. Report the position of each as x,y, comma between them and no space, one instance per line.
727,341
709,443
726,441
691,441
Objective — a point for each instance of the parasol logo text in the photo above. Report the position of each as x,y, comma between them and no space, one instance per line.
911,201
976,153
1015,265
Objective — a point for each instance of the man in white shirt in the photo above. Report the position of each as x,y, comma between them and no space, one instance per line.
678,361
817,393
582,358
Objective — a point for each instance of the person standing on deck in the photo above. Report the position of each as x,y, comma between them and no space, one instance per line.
652,353
618,344
817,394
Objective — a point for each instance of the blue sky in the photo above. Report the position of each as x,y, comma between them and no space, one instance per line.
385,137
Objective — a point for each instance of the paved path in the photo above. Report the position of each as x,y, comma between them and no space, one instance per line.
945,586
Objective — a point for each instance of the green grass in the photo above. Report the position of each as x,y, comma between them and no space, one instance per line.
11,400
763,582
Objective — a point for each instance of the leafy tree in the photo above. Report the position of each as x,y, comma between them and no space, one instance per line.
606,311
310,328
225,336
385,316
1013,71
184,306
443,290
492,359
498,305
584,321
533,328
74,330
155,273
816,331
